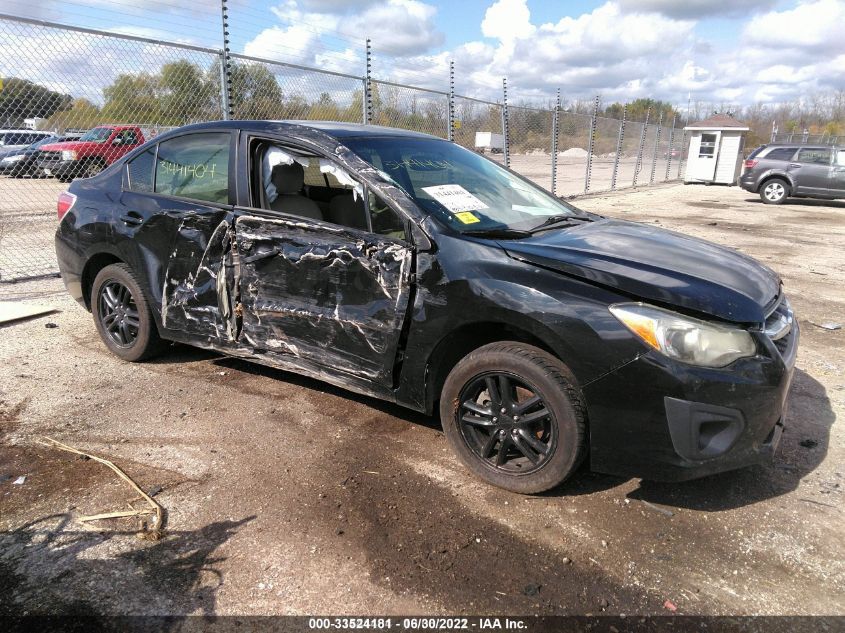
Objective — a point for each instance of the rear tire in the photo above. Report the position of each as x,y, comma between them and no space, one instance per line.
122,315
774,191
512,414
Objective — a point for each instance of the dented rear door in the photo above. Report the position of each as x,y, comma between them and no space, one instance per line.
323,293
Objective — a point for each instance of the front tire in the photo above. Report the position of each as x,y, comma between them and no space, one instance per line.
122,315
512,414
774,191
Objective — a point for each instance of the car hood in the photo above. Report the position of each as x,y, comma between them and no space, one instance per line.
657,265
67,145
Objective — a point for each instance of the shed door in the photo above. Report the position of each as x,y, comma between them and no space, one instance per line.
703,152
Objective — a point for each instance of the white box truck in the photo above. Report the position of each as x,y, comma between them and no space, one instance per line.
489,141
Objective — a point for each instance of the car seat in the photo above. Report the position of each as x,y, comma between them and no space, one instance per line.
288,180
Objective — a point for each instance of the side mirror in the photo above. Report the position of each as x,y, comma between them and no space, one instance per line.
117,141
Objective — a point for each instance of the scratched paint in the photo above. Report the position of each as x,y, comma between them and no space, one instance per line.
335,297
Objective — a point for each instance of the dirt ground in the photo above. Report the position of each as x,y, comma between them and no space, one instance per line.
287,496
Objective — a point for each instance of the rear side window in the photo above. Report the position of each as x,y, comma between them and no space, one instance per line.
141,171
755,152
780,153
818,156
194,166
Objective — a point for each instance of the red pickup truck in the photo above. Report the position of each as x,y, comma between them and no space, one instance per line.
95,150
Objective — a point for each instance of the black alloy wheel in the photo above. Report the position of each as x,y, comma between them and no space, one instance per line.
514,416
122,315
118,313
506,423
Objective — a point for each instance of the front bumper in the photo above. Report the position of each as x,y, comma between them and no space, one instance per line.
60,168
663,420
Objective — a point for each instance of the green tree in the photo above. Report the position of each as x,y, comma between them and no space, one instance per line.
255,93
23,99
133,99
187,94
82,115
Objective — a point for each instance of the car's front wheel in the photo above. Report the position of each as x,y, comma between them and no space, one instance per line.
122,315
774,191
513,415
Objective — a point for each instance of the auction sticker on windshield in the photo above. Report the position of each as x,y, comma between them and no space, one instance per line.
455,198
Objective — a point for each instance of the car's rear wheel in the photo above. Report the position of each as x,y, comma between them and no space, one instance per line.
774,191
122,315
512,414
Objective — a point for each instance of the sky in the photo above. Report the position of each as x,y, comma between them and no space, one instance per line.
716,51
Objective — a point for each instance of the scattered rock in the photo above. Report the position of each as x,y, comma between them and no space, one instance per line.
20,480
531,590
604,543
808,443
604,603
566,560
51,325
670,605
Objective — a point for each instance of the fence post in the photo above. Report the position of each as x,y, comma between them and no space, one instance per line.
591,145
505,126
555,128
656,149
671,146
682,158
225,65
639,164
367,105
774,133
619,140
452,101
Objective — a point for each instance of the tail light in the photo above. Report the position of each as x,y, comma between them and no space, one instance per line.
750,163
65,203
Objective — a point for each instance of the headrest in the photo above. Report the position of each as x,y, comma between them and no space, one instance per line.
288,179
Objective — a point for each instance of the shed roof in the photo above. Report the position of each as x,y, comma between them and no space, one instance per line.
718,122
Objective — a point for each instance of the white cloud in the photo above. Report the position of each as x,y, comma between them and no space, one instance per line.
686,9
816,27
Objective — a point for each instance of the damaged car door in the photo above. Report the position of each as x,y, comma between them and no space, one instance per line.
192,178
331,295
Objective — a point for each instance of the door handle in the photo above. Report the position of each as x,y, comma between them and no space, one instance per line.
795,164
132,218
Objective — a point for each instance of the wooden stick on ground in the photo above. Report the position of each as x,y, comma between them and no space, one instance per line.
158,520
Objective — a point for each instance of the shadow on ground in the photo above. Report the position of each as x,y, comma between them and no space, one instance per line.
49,567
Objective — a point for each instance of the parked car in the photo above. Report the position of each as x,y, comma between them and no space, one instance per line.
18,139
95,150
405,267
778,171
24,162
672,153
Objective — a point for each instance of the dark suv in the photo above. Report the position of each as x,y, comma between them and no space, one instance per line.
803,171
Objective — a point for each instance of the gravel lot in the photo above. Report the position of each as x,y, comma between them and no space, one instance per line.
286,496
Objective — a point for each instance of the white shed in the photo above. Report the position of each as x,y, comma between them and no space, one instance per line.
715,150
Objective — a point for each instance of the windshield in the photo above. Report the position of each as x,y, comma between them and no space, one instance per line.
97,135
457,186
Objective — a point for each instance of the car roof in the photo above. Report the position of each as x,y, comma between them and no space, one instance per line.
798,146
334,129
25,131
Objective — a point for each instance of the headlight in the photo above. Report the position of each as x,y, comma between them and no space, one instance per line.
684,338
68,154
12,159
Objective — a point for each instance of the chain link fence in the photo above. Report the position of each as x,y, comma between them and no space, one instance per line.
118,90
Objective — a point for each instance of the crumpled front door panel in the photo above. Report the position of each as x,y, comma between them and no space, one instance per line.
330,295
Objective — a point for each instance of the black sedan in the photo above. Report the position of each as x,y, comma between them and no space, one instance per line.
22,162
402,266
